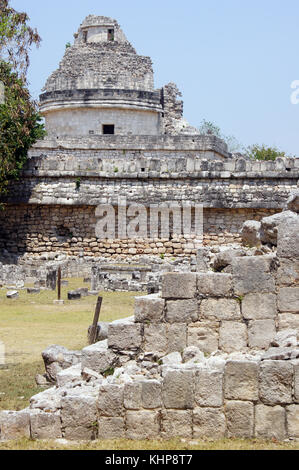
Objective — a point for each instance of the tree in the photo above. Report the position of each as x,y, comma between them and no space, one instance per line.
16,38
262,152
208,127
20,126
20,123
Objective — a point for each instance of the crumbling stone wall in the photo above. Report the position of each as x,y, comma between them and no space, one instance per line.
39,230
216,355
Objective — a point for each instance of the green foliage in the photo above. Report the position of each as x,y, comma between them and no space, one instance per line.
108,372
20,126
78,183
16,38
209,128
68,44
262,152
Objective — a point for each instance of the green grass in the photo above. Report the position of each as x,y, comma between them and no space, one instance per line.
32,322
173,444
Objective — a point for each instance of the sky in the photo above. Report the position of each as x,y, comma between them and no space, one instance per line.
233,60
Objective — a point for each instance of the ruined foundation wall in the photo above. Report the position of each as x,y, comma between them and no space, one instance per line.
71,230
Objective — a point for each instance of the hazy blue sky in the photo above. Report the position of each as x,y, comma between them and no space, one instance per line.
233,60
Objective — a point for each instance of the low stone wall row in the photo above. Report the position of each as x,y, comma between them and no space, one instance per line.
245,399
39,230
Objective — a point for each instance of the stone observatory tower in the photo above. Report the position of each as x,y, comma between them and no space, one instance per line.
103,86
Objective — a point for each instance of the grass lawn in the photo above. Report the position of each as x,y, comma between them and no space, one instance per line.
31,323
173,444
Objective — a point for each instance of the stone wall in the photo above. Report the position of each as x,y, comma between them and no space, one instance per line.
39,229
84,121
215,355
52,207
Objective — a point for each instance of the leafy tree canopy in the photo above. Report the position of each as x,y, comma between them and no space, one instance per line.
16,38
20,125
262,152
208,127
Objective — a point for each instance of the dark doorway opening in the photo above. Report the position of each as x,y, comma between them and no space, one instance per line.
108,128
110,34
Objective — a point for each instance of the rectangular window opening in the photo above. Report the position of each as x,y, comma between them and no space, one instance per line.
85,36
110,34
108,128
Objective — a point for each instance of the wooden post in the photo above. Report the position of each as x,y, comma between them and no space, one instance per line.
59,283
93,331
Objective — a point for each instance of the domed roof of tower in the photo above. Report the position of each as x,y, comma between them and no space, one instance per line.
101,57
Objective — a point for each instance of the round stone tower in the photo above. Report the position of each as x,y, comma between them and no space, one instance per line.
102,86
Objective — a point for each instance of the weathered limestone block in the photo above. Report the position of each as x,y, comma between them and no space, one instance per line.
288,239
209,422
220,309
252,274
33,290
204,335
151,394
14,424
286,338
287,272
214,284
288,299
149,308
276,379
176,423
261,333
111,400
69,375
49,400
288,320
225,257
239,419
74,295
241,380
12,294
57,358
133,395
142,424
193,355
293,421
182,311
179,285
208,388
178,389
124,336
259,306
269,225
172,358
270,422
45,425
176,337
79,417
232,336
292,203
111,428
98,357
250,233
202,259
155,338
